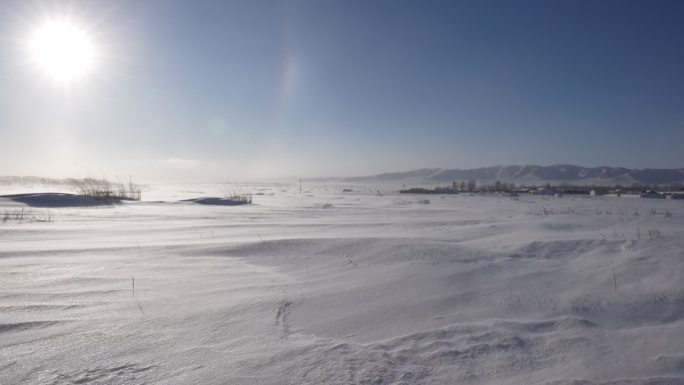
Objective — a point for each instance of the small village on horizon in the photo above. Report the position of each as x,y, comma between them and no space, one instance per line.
674,191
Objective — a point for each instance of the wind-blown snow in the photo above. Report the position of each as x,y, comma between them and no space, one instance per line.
326,287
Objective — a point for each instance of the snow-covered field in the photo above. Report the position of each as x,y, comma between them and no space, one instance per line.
326,287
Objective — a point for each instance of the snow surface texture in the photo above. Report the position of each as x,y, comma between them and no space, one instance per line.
326,287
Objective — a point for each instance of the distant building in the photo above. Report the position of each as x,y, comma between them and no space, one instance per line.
436,190
548,190
652,195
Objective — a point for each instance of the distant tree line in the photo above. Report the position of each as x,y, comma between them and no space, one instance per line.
498,186
31,180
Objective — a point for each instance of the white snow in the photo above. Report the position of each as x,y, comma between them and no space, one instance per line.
330,288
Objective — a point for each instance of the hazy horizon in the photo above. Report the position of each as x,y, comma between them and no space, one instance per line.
332,178
246,90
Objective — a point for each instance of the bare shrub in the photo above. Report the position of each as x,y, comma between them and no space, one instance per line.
104,190
664,213
244,198
237,193
23,215
654,233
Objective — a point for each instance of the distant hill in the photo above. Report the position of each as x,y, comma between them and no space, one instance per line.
560,173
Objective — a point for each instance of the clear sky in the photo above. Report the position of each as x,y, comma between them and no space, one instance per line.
255,89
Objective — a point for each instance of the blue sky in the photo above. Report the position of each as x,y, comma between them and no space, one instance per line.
259,89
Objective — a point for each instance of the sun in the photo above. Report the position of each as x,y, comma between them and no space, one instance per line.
62,50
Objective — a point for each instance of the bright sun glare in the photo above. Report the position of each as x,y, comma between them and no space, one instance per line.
63,51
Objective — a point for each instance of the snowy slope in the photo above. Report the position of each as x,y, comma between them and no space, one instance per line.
344,288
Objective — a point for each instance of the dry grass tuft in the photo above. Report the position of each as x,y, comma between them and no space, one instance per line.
104,190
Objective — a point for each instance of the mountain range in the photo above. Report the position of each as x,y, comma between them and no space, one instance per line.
560,173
